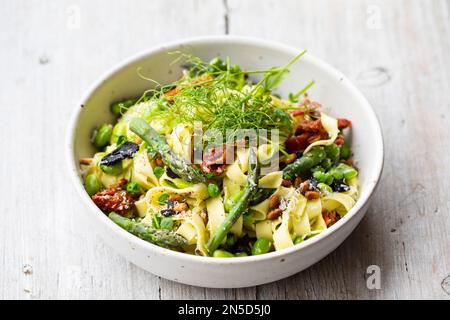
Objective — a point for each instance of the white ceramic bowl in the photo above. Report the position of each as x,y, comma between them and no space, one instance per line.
332,89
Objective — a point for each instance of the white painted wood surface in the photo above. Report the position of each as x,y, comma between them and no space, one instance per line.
396,51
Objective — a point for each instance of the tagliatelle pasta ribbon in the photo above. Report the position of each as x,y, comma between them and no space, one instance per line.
331,127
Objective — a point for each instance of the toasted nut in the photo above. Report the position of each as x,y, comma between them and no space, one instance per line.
348,161
204,216
304,187
176,197
291,158
86,161
274,214
274,202
159,162
297,182
312,195
180,207
286,183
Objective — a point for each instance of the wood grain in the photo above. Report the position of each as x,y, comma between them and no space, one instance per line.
395,51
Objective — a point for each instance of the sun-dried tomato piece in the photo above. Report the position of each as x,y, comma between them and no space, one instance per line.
330,217
293,144
343,123
313,126
340,140
214,160
114,199
296,113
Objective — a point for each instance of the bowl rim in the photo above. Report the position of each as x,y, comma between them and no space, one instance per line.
374,176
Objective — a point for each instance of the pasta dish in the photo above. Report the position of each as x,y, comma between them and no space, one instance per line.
217,164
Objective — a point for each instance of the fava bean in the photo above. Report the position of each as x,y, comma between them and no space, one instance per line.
102,135
222,254
241,254
298,240
114,169
119,108
119,130
261,246
92,184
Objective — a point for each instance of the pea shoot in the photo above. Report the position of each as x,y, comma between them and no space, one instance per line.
163,198
166,223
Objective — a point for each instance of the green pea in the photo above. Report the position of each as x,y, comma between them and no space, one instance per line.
324,187
102,135
213,190
222,254
92,184
298,240
119,130
347,171
241,254
113,170
332,151
119,108
336,173
133,188
163,198
329,178
231,240
320,176
211,175
318,168
345,151
326,163
158,171
261,246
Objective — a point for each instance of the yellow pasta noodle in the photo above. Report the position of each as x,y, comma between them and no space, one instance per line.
331,126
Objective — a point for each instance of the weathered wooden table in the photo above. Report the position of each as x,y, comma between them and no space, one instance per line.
396,51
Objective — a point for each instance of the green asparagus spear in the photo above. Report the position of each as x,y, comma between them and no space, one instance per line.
302,165
261,195
157,142
240,206
161,237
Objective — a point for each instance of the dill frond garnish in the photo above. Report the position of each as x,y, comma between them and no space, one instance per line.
221,97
